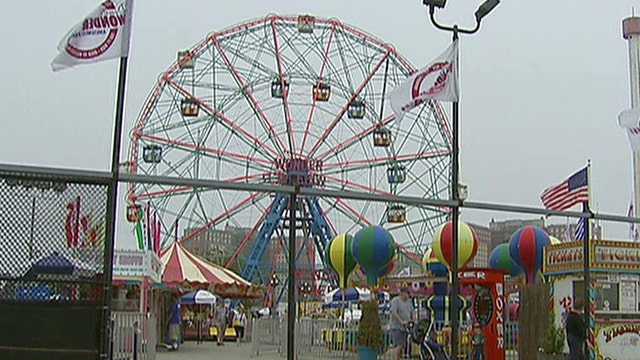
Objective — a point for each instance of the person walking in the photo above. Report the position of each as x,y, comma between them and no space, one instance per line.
239,323
576,329
220,319
401,314
174,321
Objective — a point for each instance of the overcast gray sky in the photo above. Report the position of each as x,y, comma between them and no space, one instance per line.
542,84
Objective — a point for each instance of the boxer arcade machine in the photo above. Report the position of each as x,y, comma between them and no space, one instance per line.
488,302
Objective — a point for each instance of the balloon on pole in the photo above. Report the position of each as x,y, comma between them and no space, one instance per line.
443,244
387,269
501,260
339,257
373,248
525,247
428,258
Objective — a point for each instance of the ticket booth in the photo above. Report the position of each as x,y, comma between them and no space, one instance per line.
613,302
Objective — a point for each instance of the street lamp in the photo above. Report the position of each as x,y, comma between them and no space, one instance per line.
484,9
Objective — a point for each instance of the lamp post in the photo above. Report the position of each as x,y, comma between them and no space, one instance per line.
484,9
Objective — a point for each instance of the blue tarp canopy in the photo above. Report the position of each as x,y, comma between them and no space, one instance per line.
57,267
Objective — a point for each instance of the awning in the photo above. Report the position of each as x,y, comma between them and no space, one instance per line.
181,266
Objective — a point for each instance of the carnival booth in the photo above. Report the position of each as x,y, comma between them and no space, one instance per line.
615,277
184,272
134,304
134,273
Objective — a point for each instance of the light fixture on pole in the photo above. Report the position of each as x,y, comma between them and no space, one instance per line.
435,3
456,188
485,9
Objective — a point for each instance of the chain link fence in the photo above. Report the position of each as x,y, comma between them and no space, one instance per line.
52,266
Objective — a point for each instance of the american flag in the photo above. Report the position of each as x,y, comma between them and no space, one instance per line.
570,192
581,227
633,229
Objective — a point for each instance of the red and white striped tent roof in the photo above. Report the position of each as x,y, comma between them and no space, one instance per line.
182,266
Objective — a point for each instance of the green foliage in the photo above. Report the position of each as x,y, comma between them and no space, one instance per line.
553,340
370,328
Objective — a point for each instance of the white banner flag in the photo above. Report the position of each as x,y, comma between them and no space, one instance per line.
436,81
103,34
630,121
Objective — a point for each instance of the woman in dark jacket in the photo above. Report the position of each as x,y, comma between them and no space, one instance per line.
576,331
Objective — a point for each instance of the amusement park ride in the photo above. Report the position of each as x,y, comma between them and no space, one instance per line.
286,99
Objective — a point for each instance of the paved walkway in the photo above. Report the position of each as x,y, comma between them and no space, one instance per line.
190,350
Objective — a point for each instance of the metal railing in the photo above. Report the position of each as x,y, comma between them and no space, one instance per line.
319,338
134,336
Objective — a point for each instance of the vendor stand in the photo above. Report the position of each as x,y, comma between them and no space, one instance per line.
184,271
134,303
615,278
199,306
134,274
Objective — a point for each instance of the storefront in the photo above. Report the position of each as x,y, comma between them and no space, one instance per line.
615,278
134,273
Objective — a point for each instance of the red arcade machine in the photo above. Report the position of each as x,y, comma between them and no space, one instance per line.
488,302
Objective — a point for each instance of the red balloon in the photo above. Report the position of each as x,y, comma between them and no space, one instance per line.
443,244
525,248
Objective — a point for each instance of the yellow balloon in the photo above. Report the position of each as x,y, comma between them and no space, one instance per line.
443,244
428,258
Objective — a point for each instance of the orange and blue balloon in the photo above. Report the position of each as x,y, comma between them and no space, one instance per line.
501,260
339,257
526,249
443,244
373,248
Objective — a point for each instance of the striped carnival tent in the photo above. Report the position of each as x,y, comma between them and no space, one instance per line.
180,266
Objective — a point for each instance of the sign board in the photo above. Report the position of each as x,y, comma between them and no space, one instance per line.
605,256
136,264
618,341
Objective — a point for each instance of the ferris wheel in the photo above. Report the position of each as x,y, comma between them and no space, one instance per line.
284,97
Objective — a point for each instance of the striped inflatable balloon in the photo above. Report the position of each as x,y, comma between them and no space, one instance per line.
525,247
443,244
501,260
387,269
373,248
339,257
428,258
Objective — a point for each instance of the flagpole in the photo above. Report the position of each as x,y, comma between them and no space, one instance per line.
482,11
84,42
112,196
588,298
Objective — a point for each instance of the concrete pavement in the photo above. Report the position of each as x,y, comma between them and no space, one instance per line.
190,350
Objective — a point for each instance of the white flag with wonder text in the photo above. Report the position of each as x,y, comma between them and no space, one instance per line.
436,81
103,34
630,121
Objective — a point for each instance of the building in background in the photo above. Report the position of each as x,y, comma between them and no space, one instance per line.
218,245
563,232
484,246
501,231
